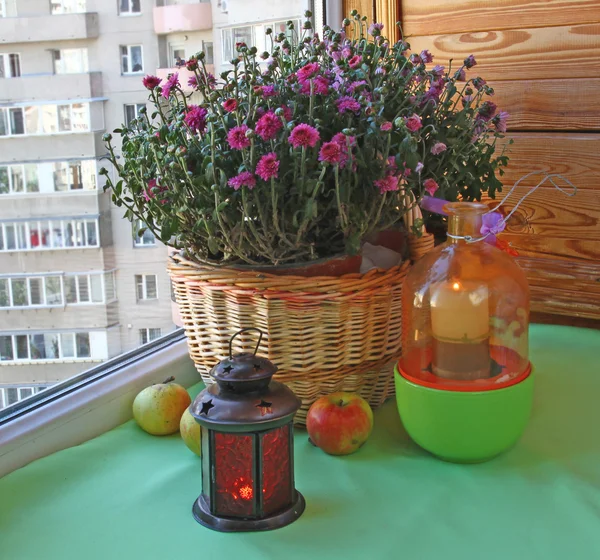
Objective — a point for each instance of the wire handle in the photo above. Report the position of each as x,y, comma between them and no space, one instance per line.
242,332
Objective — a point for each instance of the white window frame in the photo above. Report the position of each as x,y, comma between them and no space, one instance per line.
129,71
9,172
27,279
206,60
69,7
129,12
144,285
77,225
136,111
83,60
2,8
146,335
4,392
227,57
138,241
7,66
6,111
60,353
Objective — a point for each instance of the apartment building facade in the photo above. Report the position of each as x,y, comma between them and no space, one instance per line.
77,285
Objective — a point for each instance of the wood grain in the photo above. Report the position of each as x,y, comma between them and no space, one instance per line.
364,8
458,16
550,104
388,13
576,156
521,54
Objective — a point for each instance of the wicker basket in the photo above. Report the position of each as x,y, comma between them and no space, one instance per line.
325,334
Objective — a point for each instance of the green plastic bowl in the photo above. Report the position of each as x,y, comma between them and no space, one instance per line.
464,427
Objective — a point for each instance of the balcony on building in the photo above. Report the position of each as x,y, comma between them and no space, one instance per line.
39,29
51,86
180,17
184,75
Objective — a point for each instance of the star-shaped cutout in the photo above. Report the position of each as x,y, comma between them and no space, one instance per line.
228,369
265,407
257,367
206,406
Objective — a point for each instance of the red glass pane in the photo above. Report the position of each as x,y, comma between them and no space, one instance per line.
277,483
234,490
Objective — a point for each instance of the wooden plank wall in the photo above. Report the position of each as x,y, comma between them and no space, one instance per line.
543,60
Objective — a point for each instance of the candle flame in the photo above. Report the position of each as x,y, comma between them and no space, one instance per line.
456,286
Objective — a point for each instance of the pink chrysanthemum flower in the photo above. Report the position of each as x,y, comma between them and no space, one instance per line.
500,121
268,91
195,118
375,29
230,105
304,135
331,152
486,111
307,71
430,186
150,82
268,166
355,61
244,179
413,123
287,113
237,137
426,56
470,61
438,148
347,104
355,85
172,82
478,83
192,82
386,126
320,86
438,70
149,193
268,126
388,183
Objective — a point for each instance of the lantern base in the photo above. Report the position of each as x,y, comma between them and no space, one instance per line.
464,427
230,525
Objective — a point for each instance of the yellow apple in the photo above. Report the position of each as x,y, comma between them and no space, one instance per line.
158,409
190,432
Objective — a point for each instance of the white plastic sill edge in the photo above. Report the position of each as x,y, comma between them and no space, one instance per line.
90,411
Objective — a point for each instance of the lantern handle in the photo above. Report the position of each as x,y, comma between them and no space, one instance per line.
241,332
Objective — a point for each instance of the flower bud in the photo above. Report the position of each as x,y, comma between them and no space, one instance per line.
354,13
346,22
307,25
268,31
107,137
103,171
308,13
249,133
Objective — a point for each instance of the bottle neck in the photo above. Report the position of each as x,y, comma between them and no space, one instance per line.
464,220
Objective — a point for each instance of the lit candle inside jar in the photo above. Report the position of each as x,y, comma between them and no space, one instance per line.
460,325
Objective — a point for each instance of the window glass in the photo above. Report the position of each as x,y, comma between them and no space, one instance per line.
10,239
82,344
32,119
17,122
6,348
4,293
80,117
136,59
64,118
12,395
67,344
25,392
88,172
15,65
22,347
96,288
17,177
36,291
19,292
37,346
151,292
70,289
61,175
109,284
92,233
3,122
83,289
4,183
53,290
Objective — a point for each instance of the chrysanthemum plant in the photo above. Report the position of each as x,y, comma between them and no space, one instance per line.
303,152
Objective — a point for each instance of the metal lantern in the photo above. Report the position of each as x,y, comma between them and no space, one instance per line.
247,447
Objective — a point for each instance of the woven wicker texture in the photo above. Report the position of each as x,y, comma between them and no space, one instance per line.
325,334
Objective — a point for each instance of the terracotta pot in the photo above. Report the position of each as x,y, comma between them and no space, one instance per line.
332,266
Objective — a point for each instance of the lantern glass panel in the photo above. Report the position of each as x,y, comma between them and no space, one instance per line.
205,442
277,472
465,311
234,480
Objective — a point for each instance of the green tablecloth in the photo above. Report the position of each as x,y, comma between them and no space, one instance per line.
128,495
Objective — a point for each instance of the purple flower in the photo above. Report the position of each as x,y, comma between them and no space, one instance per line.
230,105
438,148
307,71
244,179
438,70
355,61
430,186
331,152
268,126
192,82
486,111
237,137
419,167
268,166
388,183
413,123
492,224
354,85
304,135
426,56
478,83
386,126
499,121
346,52
381,71
287,113
470,61
150,82
268,91
172,81
195,118
375,29
347,103
460,75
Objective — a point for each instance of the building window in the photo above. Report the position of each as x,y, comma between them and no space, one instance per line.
142,236
12,395
148,335
51,346
10,65
132,111
207,47
233,35
48,234
19,179
2,8
58,7
70,61
131,59
44,119
129,7
146,286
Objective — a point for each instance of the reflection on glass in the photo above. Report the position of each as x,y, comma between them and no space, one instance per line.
19,292
96,288
22,347
4,294
80,113
32,119
49,119
6,348
67,344
53,290
17,122
82,341
17,178
36,291
71,289
31,177
4,185
64,118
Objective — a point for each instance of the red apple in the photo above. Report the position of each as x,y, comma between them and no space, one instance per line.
339,423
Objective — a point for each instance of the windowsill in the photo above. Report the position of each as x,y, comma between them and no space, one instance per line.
61,306
147,300
127,14
145,246
130,74
50,249
51,362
